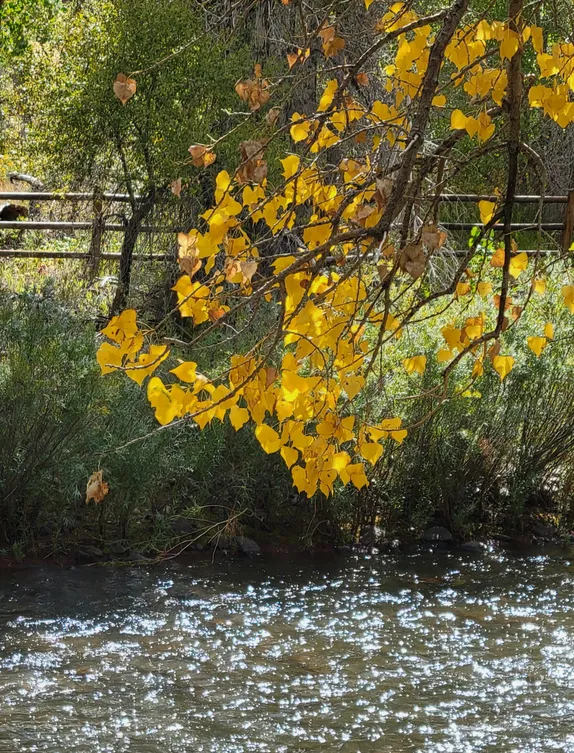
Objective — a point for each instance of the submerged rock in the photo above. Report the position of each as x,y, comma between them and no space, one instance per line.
371,535
247,546
473,546
437,534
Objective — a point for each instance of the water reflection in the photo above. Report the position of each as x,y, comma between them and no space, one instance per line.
427,653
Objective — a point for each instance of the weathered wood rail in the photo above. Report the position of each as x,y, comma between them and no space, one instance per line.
98,226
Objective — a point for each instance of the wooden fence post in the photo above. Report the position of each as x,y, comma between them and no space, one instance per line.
98,227
568,236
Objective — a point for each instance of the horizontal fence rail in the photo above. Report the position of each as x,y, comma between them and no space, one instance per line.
98,226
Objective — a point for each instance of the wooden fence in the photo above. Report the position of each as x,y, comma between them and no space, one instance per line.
98,225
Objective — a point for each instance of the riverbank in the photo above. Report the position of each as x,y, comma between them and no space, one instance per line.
542,540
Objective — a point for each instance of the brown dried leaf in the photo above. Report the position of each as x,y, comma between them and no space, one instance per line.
362,79
253,168
494,350
413,260
175,187
96,488
270,376
124,88
383,192
384,270
433,238
201,155
248,268
272,115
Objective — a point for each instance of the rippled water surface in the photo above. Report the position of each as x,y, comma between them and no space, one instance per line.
375,655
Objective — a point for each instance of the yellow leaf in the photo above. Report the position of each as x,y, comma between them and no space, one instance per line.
486,209
416,363
354,473
503,365
549,330
539,287
509,44
186,372
121,327
568,295
462,288
328,95
268,438
147,363
238,416
484,289
444,355
368,3
289,455
458,120
290,165
160,399
110,357
300,129
518,264
536,345
399,435
371,451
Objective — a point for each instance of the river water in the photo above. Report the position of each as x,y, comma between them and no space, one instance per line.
434,652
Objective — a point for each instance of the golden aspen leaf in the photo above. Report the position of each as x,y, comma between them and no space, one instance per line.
462,289
518,264
96,488
458,120
124,88
497,259
161,401
537,38
289,455
415,363
238,416
484,289
439,100
147,363
355,474
186,372
122,327
368,3
300,129
444,355
486,209
268,438
549,331
371,451
399,436
110,357
539,286
568,296
328,95
509,44
503,365
536,345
